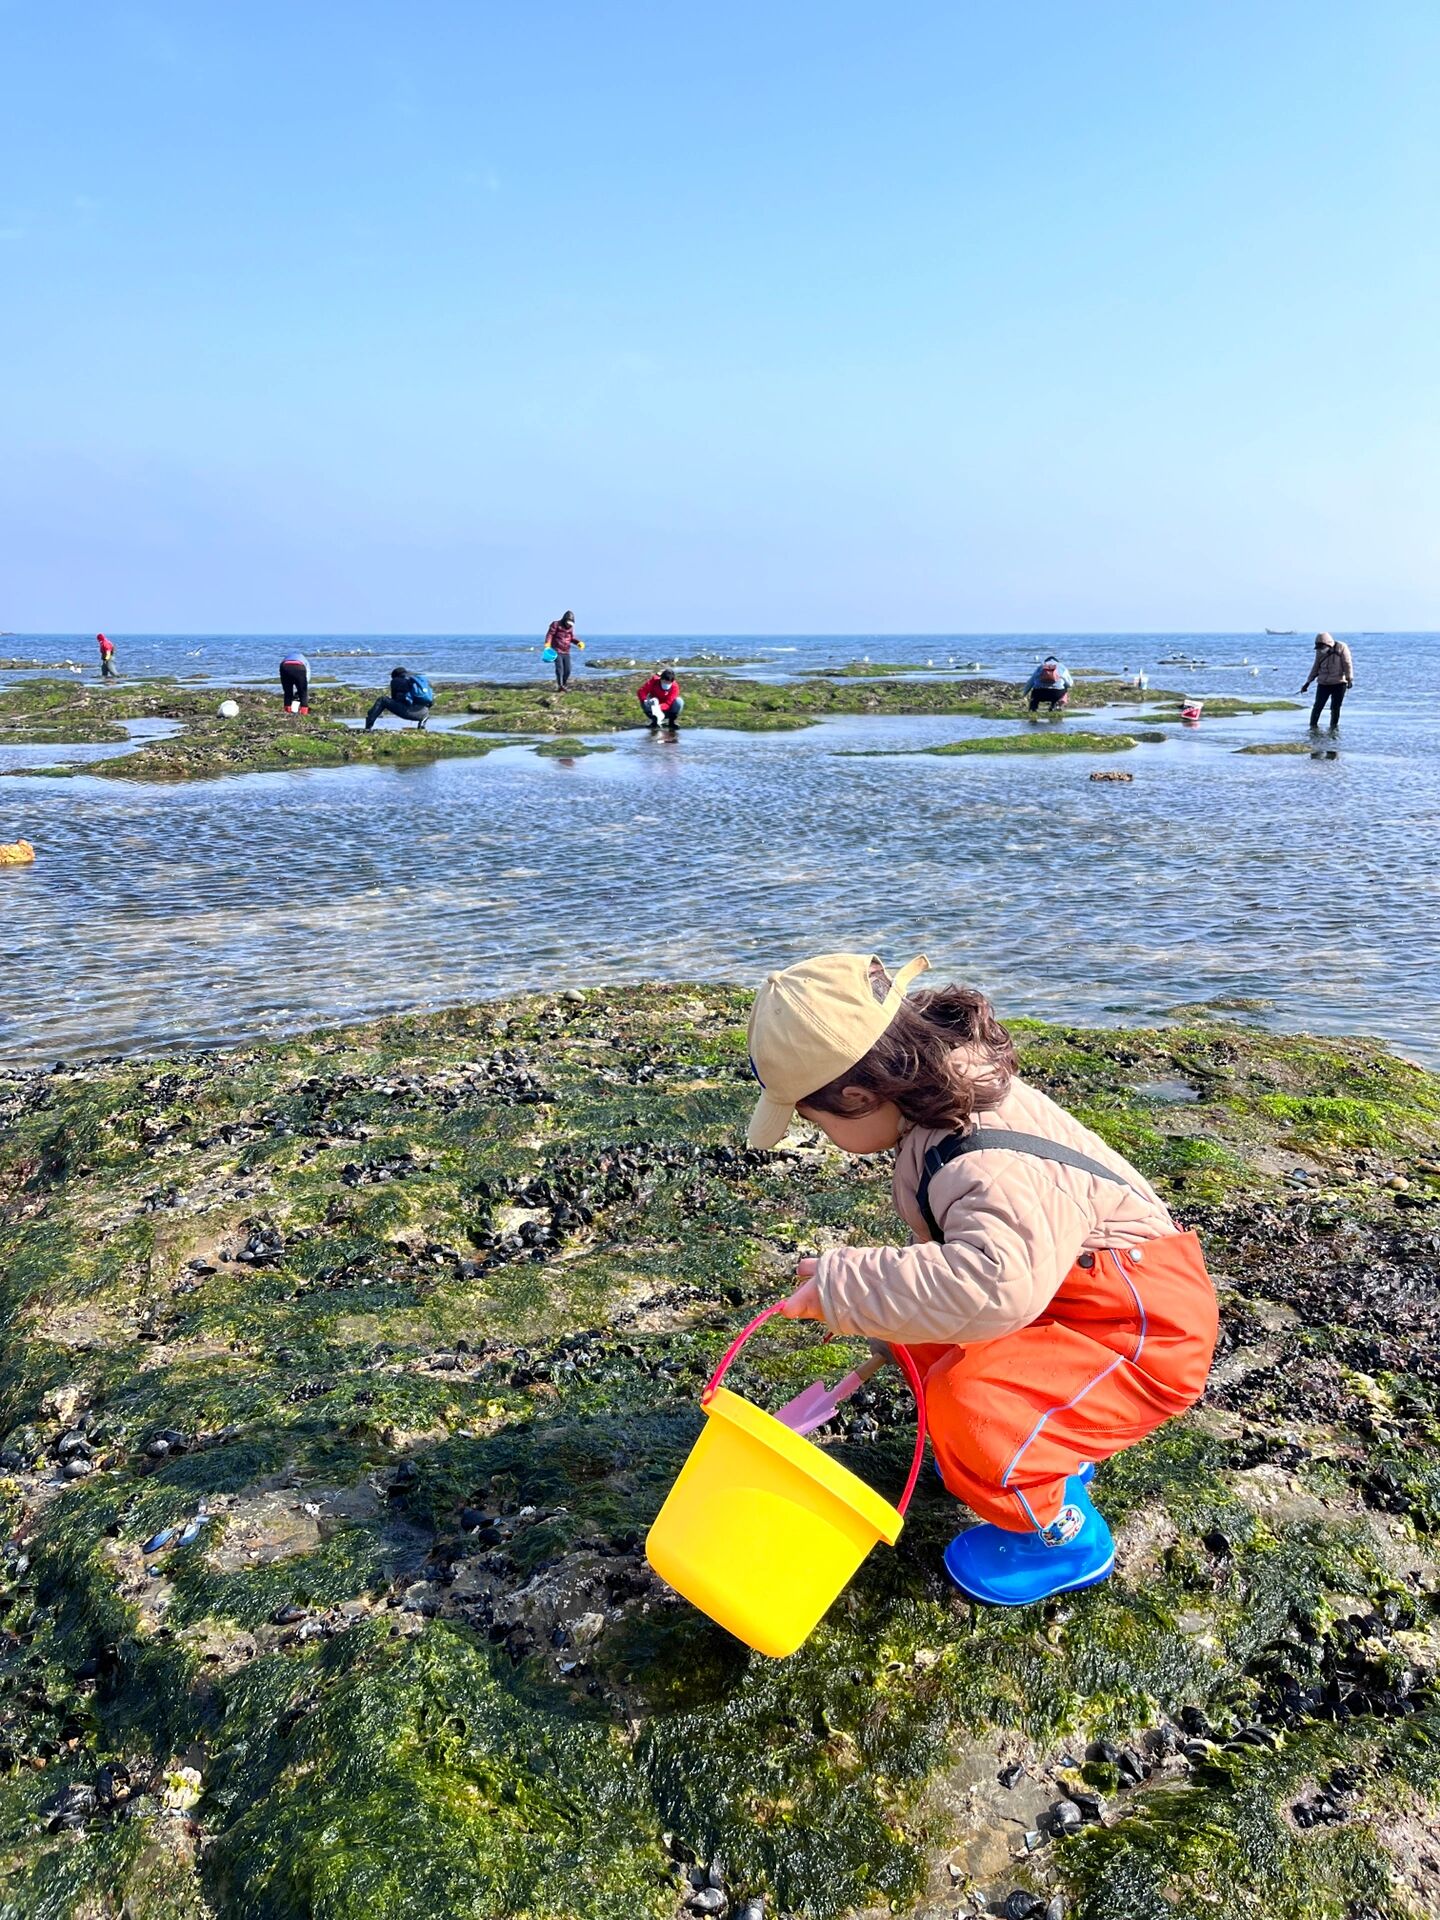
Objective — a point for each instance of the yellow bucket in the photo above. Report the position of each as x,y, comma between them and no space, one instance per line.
762,1530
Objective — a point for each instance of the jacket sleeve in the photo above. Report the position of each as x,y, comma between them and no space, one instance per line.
1005,1250
1309,676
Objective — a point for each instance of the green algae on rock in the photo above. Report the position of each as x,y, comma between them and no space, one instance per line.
1051,740
569,748
264,738
1279,746
210,748
419,1312
753,705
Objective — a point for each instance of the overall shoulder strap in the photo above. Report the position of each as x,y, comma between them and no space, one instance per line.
988,1139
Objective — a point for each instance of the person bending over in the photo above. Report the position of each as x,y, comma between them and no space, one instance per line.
1056,1313
410,698
295,683
1333,671
1049,685
662,700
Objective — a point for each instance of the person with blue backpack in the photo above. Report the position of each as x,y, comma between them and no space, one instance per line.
411,697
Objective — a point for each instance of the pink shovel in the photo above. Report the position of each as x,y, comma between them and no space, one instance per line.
819,1403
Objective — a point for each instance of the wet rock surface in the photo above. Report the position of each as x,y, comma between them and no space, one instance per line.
262,737
344,1378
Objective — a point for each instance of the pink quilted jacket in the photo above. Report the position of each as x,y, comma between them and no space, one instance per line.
1013,1226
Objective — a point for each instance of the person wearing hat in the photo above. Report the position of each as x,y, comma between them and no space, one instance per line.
560,637
1055,1311
1333,671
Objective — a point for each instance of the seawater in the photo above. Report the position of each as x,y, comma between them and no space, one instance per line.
167,916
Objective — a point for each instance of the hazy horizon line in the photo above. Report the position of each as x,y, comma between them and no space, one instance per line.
735,633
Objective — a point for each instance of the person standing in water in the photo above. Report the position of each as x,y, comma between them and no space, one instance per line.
107,656
295,683
560,637
1050,683
1333,672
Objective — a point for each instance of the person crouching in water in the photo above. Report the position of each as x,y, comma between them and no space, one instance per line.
662,700
295,683
1056,1313
410,698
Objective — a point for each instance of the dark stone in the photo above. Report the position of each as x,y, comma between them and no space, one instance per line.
1103,1751
1007,1776
1196,1722
1064,1817
112,1783
1021,1905
72,1806
1091,1806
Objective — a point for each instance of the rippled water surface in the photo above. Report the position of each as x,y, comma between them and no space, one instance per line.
167,915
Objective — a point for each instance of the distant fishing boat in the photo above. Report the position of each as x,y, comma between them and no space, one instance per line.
1280,630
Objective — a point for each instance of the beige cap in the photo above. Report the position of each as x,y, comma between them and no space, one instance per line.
809,1023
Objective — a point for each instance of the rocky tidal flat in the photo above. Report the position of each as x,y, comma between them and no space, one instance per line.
61,713
343,1377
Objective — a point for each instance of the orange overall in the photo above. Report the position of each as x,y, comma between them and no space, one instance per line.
1124,1345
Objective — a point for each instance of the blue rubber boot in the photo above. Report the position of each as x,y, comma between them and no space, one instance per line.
1014,1569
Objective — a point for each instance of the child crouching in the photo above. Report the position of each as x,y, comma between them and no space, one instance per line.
1056,1313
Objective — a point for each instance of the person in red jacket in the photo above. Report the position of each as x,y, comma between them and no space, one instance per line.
662,700
107,656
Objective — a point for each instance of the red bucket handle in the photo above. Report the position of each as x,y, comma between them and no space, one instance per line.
908,1367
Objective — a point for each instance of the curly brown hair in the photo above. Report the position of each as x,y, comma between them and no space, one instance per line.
943,1058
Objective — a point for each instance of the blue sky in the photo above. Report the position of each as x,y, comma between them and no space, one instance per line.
781,317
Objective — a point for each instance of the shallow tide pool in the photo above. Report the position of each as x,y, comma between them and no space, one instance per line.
160,916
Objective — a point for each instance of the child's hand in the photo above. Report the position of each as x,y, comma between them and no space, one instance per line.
804,1302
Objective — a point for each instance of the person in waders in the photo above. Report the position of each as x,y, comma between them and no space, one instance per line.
107,656
1056,1312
